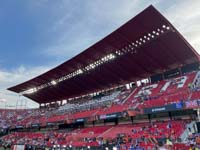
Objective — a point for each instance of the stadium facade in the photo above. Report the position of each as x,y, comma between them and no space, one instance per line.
139,87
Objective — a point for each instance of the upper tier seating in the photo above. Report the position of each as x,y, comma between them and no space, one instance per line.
150,95
165,92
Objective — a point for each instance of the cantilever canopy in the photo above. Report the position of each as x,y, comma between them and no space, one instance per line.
148,45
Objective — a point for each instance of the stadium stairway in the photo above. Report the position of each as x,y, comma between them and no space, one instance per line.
107,131
130,97
184,136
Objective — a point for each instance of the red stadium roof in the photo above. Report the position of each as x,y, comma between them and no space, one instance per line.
147,44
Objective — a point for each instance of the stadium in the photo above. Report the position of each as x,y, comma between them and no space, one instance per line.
136,89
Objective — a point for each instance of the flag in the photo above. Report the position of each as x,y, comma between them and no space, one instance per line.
191,104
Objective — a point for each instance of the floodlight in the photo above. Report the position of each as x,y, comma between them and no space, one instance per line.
164,26
53,82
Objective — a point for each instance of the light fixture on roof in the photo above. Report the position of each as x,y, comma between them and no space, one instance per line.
168,28
164,26
30,91
53,82
80,71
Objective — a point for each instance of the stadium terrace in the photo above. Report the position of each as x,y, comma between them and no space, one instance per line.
137,88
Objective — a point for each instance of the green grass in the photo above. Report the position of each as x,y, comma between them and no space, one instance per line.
1,148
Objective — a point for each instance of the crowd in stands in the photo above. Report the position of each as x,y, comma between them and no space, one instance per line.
173,90
70,111
91,104
148,95
145,135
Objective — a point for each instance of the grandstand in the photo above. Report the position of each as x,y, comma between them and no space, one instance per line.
138,88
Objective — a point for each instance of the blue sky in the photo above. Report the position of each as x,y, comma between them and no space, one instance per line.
36,35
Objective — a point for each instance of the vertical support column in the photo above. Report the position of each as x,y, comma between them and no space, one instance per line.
132,119
198,114
61,103
19,102
170,115
149,117
25,103
163,76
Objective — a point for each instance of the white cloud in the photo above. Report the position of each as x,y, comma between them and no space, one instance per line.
185,16
14,77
